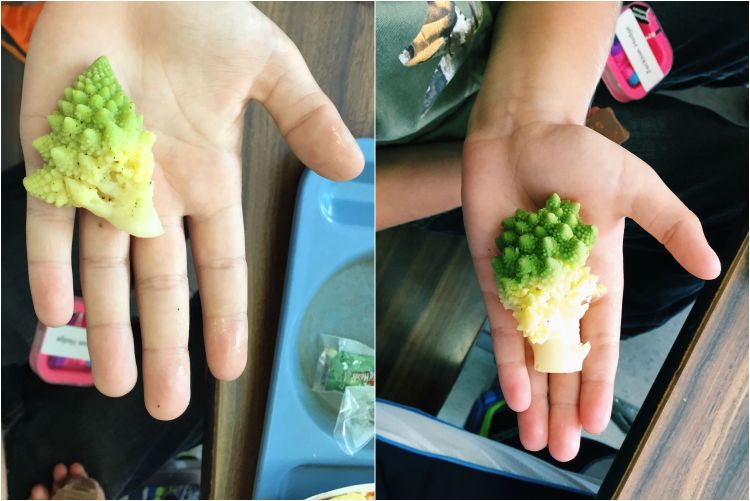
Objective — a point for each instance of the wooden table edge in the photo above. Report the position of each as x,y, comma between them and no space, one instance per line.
612,486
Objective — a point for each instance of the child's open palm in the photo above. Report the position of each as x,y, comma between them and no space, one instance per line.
190,69
522,169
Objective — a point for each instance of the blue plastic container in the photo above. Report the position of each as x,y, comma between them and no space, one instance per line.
328,290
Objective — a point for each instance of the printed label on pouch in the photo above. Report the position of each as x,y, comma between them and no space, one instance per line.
66,341
636,48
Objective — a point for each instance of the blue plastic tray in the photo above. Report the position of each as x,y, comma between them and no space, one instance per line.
331,254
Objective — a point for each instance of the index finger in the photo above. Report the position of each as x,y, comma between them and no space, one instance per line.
219,254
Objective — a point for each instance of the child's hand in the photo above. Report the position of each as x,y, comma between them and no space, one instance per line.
190,69
521,169
526,141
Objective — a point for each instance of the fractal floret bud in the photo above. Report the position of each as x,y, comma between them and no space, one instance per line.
542,277
98,155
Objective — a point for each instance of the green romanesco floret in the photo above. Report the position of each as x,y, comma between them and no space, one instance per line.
98,155
542,277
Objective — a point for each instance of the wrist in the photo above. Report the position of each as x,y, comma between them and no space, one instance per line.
500,115
544,66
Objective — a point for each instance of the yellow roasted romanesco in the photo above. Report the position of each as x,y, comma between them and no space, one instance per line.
542,277
98,156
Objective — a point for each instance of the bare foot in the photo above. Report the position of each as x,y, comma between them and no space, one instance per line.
69,483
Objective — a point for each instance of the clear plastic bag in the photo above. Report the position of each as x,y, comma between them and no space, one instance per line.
342,363
355,426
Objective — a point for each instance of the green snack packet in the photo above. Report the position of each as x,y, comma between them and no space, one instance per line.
342,363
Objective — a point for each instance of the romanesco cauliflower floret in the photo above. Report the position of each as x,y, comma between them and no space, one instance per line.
542,277
98,156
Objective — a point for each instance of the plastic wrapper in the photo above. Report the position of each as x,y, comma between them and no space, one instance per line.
343,363
355,426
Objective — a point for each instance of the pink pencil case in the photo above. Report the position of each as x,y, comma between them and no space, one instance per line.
641,55
59,355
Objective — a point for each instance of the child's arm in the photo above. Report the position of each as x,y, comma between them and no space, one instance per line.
416,181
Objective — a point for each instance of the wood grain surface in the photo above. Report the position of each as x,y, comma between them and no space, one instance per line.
696,445
336,40
428,312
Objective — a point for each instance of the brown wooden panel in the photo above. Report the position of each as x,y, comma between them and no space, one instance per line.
428,313
696,446
337,43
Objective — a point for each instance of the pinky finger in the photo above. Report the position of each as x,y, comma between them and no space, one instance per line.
49,237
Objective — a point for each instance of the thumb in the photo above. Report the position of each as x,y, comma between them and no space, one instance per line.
658,211
308,120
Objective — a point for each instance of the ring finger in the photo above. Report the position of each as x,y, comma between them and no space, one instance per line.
564,422
105,279
533,422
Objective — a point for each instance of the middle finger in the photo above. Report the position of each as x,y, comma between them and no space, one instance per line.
160,266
